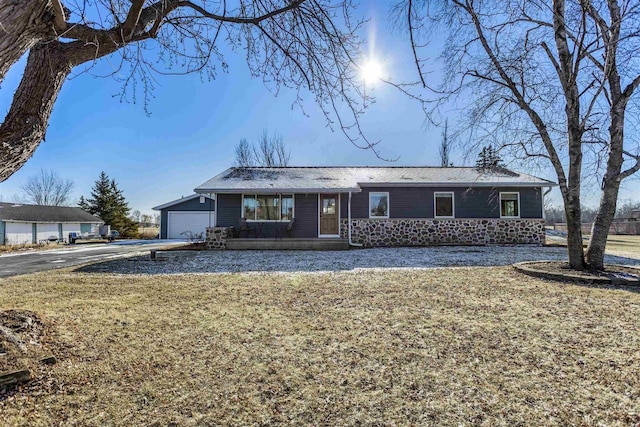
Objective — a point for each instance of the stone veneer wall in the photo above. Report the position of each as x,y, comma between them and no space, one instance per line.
217,237
421,232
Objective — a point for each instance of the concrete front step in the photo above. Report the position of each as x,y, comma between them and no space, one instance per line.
283,244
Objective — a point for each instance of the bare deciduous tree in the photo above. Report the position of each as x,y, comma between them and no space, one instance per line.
554,80
268,151
135,215
244,154
445,147
47,188
310,46
146,220
626,208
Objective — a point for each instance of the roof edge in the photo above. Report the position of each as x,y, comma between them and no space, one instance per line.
277,190
181,200
459,184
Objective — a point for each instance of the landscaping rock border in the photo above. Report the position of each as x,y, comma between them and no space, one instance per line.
528,268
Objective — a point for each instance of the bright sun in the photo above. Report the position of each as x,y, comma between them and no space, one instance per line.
371,71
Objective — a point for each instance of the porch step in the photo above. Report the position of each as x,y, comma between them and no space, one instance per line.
288,244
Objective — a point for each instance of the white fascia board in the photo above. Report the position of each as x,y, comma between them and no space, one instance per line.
277,190
458,184
180,200
32,221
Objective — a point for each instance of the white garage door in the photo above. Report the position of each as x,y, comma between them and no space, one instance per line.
18,233
44,231
69,227
183,222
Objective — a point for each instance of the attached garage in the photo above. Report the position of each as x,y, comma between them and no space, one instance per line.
22,224
192,214
180,224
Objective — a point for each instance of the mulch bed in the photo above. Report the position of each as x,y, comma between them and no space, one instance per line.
199,246
560,270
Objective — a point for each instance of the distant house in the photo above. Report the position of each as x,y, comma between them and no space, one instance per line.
189,215
377,206
27,224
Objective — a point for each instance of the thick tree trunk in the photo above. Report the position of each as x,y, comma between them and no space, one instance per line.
26,123
574,230
571,193
22,24
610,189
601,225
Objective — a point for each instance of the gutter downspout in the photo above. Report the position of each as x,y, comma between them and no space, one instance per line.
351,243
544,216
211,202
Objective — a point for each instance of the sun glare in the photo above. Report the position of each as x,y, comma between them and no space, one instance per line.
371,71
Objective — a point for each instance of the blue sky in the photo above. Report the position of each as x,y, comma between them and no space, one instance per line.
195,125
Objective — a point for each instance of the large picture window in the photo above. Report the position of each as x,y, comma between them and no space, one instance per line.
267,207
510,205
443,205
378,205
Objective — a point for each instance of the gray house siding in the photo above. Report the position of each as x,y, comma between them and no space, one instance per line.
306,214
405,202
530,202
305,210
417,202
188,205
229,210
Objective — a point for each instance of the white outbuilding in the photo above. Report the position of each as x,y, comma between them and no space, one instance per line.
29,224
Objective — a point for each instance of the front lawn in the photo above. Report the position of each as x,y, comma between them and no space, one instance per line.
626,245
471,346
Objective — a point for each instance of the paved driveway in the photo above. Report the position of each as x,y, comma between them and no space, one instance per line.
354,259
16,263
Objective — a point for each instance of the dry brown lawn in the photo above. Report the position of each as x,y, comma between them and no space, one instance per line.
629,245
617,244
459,346
148,232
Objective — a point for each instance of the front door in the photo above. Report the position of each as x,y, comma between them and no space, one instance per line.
329,214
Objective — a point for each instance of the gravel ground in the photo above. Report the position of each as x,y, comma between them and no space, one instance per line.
308,261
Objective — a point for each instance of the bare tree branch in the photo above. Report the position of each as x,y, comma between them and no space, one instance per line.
48,189
310,46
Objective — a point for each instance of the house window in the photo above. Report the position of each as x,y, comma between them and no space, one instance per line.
378,205
249,207
201,199
267,207
286,211
443,205
509,205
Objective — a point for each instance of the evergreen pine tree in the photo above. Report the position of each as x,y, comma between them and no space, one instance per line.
489,159
108,203
82,204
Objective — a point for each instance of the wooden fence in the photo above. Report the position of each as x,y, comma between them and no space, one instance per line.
623,226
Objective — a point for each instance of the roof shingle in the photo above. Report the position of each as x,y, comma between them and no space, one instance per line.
344,179
36,213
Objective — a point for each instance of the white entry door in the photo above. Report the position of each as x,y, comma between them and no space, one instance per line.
180,223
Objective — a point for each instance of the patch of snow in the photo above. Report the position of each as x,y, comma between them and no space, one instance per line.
354,259
556,233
